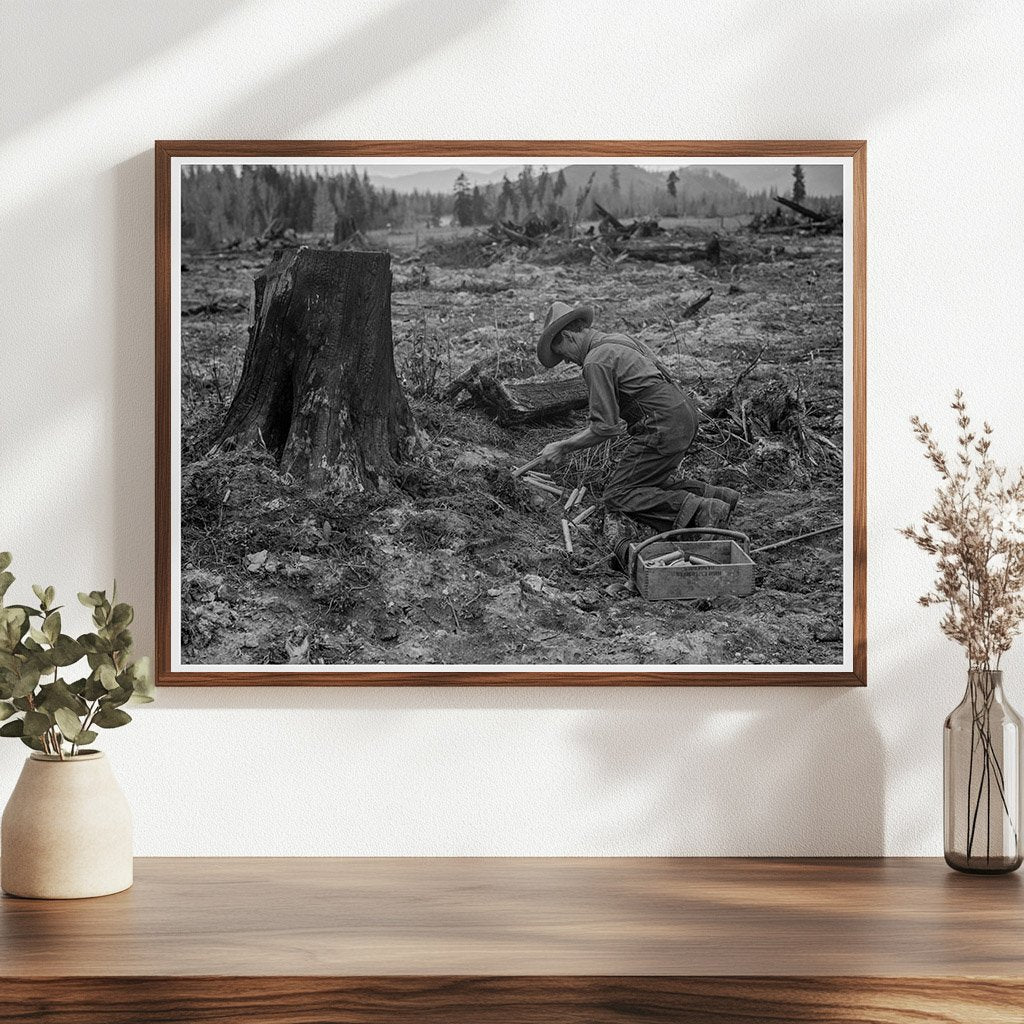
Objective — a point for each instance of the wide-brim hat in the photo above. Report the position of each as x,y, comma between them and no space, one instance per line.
560,315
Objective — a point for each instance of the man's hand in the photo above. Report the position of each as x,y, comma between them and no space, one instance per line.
552,453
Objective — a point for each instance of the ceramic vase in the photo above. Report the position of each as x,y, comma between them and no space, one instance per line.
66,831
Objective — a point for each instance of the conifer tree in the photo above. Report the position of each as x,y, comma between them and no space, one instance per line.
799,191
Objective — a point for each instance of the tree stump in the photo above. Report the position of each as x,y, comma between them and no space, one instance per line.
318,385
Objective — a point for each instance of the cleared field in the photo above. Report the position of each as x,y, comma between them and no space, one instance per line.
458,564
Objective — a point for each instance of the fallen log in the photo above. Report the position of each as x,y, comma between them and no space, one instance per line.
517,236
514,403
612,219
802,210
663,252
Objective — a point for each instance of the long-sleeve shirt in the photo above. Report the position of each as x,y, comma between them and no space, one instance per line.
616,369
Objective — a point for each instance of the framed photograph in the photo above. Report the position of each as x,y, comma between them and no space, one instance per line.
510,413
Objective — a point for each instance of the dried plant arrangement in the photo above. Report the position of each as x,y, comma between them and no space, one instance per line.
975,531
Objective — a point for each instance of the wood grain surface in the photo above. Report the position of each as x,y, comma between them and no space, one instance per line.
518,1000
521,939
167,150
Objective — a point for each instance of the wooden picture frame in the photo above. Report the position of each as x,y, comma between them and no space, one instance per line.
170,159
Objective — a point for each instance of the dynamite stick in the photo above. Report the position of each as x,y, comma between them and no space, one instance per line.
584,515
539,485
520,470
565,534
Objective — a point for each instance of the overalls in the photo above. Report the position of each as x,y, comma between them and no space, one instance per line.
662,423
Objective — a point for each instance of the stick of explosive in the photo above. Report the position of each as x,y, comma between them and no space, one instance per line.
542,485
576,497
520,470
565,534
584,515
668,558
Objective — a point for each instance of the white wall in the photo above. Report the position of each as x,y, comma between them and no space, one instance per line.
86,87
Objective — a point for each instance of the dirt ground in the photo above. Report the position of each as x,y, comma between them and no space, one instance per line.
459,564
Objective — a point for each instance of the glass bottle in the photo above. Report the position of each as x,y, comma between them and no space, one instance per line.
981,774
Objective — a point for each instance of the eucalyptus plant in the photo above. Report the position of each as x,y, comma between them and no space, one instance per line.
37,705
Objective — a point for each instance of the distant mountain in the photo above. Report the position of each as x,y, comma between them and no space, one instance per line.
723,181
715,181
819,179
435,179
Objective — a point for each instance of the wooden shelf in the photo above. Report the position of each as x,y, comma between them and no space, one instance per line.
315,940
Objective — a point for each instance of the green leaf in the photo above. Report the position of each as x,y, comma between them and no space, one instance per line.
6,579
50,595
69,724
5,559
6,710
13,625
94,689
51,626
38,635
89,600
27,681
115,698
142,678
31,741
36,723
109,718
30,612
59,695
107,676
94,644
86,736
66,651
40,592
15,728
122,616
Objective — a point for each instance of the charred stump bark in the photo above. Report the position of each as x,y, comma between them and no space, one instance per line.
318,385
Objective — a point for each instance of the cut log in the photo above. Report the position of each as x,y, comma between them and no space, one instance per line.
802,210
513,403
318,386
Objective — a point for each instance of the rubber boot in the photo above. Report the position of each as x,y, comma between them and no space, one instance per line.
619,532
706,490
712,513
709,512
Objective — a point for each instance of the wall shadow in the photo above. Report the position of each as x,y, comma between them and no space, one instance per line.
117,35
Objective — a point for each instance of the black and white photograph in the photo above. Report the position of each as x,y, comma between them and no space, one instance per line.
511,414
